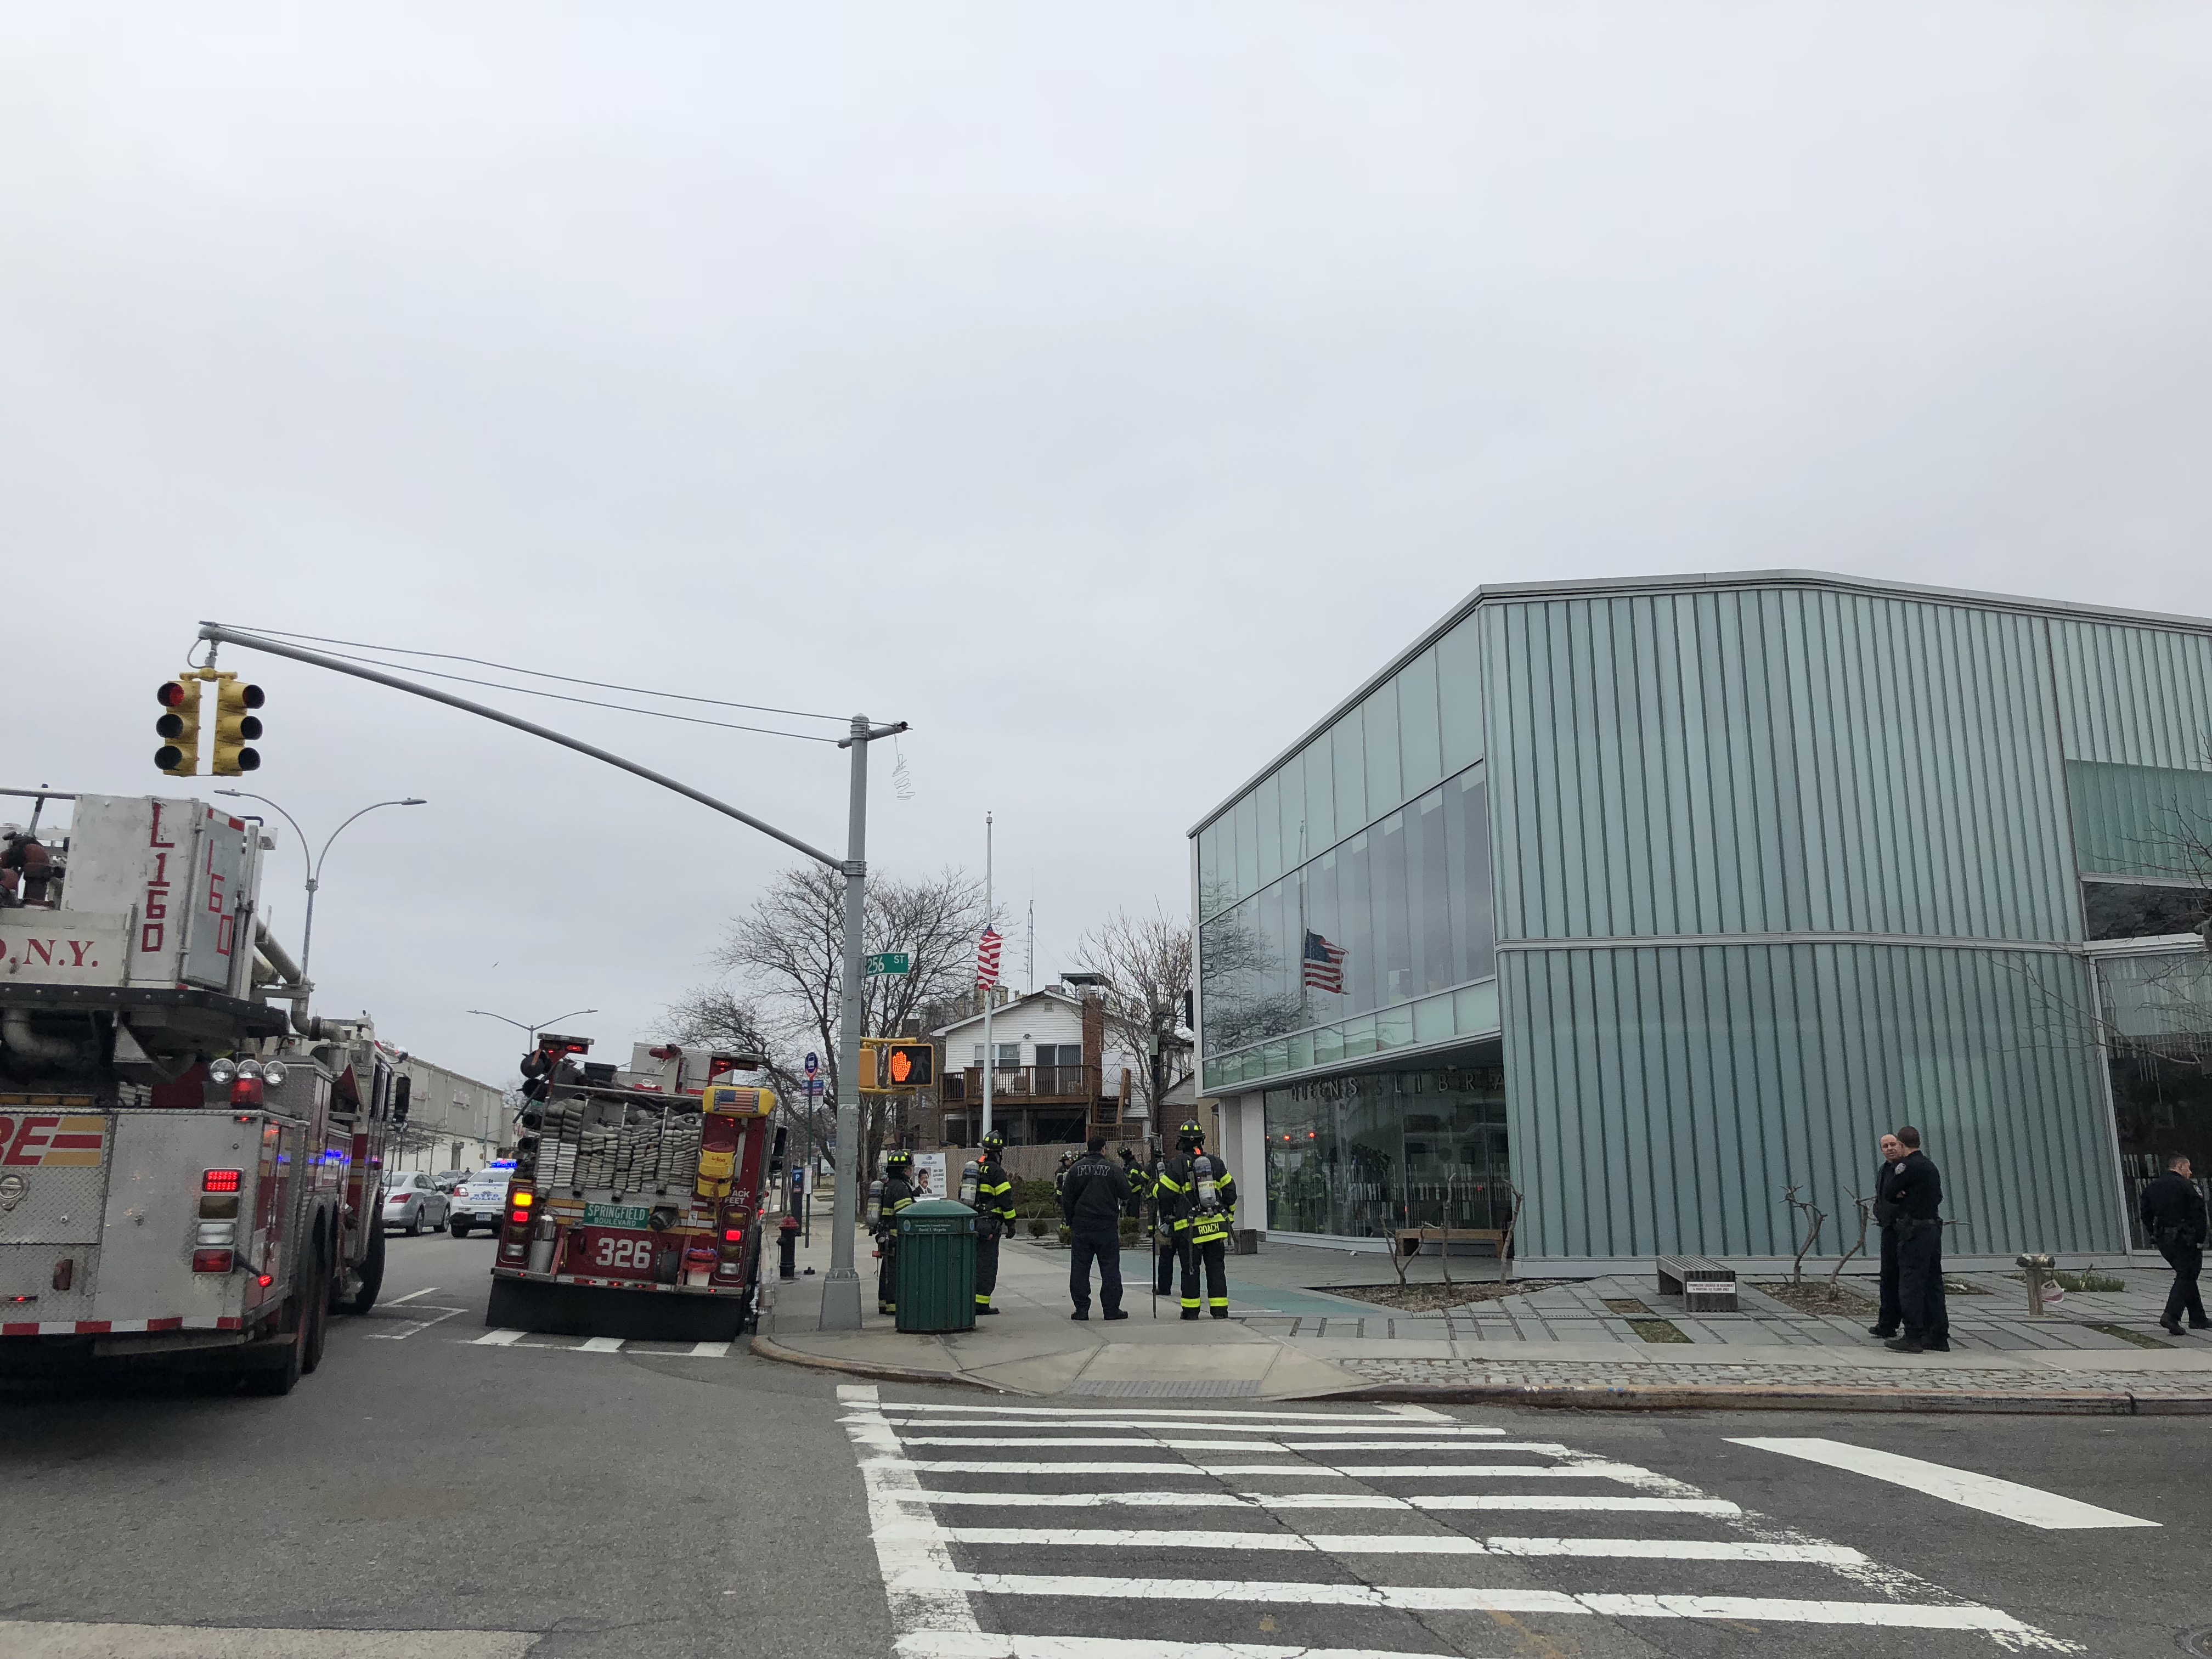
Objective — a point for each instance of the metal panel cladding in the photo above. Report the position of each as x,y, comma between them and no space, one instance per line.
1771,760
1661,1098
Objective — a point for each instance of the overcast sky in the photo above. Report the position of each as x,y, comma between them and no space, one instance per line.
1107,395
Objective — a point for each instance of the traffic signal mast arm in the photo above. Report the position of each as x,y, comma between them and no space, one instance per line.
220,635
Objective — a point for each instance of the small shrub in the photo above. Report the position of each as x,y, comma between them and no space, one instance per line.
1037,1225
1066,1233
1129,1229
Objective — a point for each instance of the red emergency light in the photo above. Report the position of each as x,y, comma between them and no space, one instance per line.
221,1180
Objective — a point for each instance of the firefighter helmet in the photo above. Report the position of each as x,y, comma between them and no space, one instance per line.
896,1160
994,1142
1189,1134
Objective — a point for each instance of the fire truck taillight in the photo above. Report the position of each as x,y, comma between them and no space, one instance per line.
221,1180
733,1234
211,1261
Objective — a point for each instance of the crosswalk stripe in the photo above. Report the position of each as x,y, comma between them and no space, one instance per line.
937,1645
1219,1445
709,1349
601,1345
1141,1425
1900,1615
1363,1543
497,1339
914,1607
1324,1471
2030,1506
1331,1420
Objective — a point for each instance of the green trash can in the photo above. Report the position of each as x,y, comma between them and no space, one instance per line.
936,1267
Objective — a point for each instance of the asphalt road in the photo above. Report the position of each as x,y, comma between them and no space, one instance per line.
545,1499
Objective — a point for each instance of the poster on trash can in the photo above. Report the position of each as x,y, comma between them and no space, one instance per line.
929,1175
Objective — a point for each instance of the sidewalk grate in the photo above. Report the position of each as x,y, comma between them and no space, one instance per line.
1195,1388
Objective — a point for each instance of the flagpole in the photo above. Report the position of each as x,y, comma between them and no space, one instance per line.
990,1053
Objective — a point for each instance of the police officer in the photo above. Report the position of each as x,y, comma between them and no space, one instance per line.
1892,1312
897,1193
2173,1215
994,1202
1914,1188
1091,1196
1204,1200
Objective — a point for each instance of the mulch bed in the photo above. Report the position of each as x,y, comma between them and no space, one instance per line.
1813,1296
1431,1298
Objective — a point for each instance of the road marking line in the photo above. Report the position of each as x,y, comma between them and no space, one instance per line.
1362,1543
498,1339
1080,1500
1455,1599
1617,1505
709,1349
394,1301
601,1345
896,1408
31,1639
2029,1505
1304,1471
1193,1421
414,1326
1427,1414
1208,1445
987,1646
912,1565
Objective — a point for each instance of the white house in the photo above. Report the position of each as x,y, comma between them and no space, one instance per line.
1055,1068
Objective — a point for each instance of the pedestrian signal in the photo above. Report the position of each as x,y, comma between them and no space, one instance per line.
179,727
909,1065
235,728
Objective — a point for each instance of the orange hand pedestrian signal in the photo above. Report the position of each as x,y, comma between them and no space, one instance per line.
910,1065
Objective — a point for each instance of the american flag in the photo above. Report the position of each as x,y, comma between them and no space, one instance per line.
1323,964
986,960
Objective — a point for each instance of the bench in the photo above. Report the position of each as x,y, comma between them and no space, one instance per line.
1410,1240
1704,1285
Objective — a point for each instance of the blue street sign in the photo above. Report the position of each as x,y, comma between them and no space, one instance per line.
814,1063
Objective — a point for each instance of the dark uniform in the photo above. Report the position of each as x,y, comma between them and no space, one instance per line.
2173,1215
1091,1196
1133,1173
898,1193
1914,1190
1892,1309
994,1219
1168,1243
1201,1228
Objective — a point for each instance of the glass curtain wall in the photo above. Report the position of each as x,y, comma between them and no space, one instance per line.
1358,1156
2158,1020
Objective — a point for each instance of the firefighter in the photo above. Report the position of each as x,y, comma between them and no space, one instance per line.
992,1198
26,866
897,1193
1133,1173
1197,1189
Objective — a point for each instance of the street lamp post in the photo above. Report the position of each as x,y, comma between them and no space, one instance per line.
315,865
533,1029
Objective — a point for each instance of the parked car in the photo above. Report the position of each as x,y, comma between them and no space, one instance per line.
447,1180
479,1200
411,1202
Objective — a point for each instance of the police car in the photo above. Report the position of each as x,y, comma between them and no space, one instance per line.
479,1200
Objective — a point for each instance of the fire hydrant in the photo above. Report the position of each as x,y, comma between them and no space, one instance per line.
787,1244
2036,1269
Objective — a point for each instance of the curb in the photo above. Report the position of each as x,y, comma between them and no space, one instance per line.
1729,1397
768,1348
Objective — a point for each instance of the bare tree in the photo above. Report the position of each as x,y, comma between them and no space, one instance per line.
716,1016
1512,1226
1145,966
781,967
1865,1207
1814,1217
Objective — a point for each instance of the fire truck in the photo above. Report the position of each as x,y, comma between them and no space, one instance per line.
635,1207
189,1167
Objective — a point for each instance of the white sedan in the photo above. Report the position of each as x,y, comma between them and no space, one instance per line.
412,1202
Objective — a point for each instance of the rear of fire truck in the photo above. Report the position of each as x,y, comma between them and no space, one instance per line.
181,1172
634,1209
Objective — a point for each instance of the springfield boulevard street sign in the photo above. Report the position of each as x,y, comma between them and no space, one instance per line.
891,962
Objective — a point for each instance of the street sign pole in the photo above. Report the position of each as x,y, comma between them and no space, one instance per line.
812,1092
840,1291
990,1053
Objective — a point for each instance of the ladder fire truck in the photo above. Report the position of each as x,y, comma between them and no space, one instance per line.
190,1171
635,1208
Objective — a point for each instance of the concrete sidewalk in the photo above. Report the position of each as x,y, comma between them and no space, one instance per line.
1295,1335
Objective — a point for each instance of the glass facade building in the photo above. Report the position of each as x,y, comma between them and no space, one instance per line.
1641,901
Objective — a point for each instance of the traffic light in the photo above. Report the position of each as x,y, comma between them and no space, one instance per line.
909,1065
178,726
234,728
